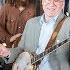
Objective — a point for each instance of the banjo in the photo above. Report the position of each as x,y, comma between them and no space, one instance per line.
35,61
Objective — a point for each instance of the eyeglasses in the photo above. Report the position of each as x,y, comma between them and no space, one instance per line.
59,1
54,0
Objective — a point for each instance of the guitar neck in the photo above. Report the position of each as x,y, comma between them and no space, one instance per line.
49,50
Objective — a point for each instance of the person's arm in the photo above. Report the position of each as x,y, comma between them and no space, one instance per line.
10,54
16,51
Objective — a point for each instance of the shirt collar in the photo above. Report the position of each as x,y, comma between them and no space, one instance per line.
42,20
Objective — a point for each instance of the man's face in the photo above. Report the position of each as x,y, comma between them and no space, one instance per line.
52,7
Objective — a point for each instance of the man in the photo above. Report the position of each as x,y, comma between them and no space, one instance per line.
36,36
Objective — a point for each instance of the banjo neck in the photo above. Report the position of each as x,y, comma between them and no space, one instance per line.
49,50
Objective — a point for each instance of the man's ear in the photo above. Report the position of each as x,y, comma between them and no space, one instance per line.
43,1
